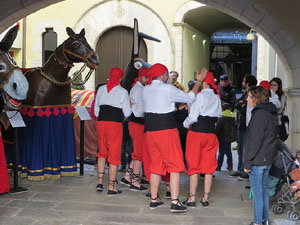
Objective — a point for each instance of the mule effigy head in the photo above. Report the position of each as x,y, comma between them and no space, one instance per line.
13,84
78,49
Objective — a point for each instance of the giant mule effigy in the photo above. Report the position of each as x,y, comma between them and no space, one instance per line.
47,144
13,89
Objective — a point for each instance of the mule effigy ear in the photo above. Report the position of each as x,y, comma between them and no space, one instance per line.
71,33
82,33
9,38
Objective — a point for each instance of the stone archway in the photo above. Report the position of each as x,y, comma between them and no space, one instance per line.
285,45
258,18
14,10
121,15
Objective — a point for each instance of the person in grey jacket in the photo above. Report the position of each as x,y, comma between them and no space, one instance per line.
260,149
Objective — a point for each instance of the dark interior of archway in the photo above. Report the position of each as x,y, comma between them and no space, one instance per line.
227,57
114,48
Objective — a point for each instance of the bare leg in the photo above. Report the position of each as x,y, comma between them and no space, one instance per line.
154,184
174,183
193,187
136,170
207,186
101,169
113,169
168,186
127,175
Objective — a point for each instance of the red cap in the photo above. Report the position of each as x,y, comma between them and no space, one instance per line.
265,84
142,73
156,70
114,76
210,79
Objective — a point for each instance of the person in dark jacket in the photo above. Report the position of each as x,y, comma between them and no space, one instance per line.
241,106
227,92
260,149
226,133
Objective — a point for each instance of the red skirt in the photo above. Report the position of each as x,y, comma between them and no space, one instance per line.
201,152
165,152
136,132
110,136
4,181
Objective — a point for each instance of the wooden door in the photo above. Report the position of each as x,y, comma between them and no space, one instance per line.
114,49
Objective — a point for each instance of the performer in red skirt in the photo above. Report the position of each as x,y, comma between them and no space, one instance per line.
111,102
202,143
4,182
161,133
136,131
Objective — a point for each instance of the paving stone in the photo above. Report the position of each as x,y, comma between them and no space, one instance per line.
32,204
135,218
109,208
74,200
9,212
4,202
55,215
48,188
217,221
15,221
22,195
52,222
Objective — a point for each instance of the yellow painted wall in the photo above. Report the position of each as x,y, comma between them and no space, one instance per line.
58,15
195,52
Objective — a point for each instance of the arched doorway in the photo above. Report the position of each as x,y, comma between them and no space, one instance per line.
114,48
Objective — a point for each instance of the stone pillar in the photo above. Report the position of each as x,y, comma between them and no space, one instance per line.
293,110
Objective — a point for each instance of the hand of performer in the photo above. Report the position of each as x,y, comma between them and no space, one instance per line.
131,103
247,171
200,76
182,106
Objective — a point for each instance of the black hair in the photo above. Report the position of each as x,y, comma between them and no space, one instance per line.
225,106
173,71
215,91
191,84
279,91
251,80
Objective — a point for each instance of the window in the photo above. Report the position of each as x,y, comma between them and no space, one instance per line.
49,44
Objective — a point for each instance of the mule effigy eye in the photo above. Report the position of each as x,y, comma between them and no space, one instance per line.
76,44
2,67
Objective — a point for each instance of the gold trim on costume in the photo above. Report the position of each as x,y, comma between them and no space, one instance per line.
49,168
48,176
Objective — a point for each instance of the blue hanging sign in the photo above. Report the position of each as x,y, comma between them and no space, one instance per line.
229,38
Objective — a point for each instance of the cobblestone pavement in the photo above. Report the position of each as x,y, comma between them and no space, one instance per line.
74,200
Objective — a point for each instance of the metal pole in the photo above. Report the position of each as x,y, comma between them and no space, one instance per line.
16,187
81,146
14,159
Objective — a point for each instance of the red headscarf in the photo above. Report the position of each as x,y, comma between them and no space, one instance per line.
210,79
142,72
156,70
114,76
265,84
